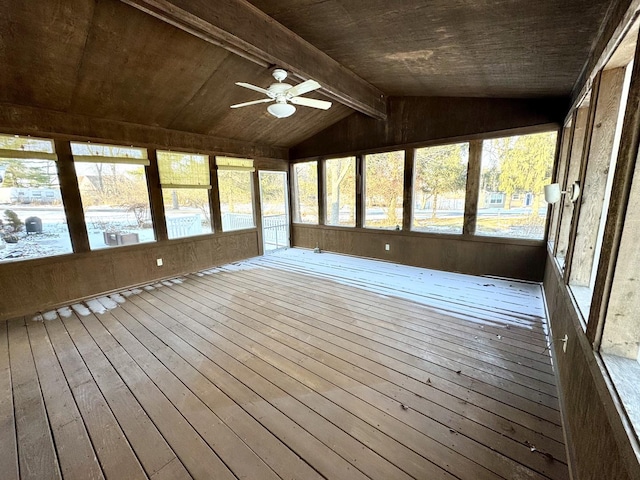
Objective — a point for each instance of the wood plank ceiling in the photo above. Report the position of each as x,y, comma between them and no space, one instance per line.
107,59
468,48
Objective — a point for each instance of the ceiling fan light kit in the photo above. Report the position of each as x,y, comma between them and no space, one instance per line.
281,110
284,95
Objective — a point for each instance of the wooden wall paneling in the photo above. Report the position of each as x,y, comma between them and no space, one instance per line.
594,181
618,204
472,191
53,124
71,197
245,30
257,209
273,164
42,284
586,402
156,202
424,121
28,30
473,255
322,192
214,196
122,78
407,199
361,189
560,176
573,174
584,161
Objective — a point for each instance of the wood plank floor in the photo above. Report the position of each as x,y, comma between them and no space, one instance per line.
294,366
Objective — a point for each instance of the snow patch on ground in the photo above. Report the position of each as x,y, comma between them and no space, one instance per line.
117,298
107,303
136,291
65,312
95,306
81,309
38,318
51,315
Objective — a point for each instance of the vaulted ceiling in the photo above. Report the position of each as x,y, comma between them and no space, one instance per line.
108,59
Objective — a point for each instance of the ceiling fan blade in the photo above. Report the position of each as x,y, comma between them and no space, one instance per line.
310,102
254,102
302,88
254,88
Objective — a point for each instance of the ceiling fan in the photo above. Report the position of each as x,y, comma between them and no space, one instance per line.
284,95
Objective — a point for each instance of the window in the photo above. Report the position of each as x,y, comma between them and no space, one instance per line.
440,178
560,178
597,183
235,185
113,188
384,186
305,192
186,183
340,183
565,206
515,165
620,335
33,223
620,346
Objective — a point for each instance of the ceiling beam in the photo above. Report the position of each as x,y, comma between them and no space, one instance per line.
243,29
21,120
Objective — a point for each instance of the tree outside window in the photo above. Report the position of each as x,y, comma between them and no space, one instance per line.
515,171
439,188
340,182
305,192
384,186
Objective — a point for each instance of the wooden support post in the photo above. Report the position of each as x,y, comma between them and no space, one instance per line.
473,188
214,196
71,197
257,209
293,194
156,203
594,179
322,193
407,197
620,193
360,189
584,160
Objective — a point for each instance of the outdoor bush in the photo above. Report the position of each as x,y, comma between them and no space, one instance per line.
13,220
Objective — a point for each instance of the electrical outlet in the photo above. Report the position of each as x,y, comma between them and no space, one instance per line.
159,262
386,247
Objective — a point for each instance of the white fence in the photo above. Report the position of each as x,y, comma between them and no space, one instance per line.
178,227
237,221
275,231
